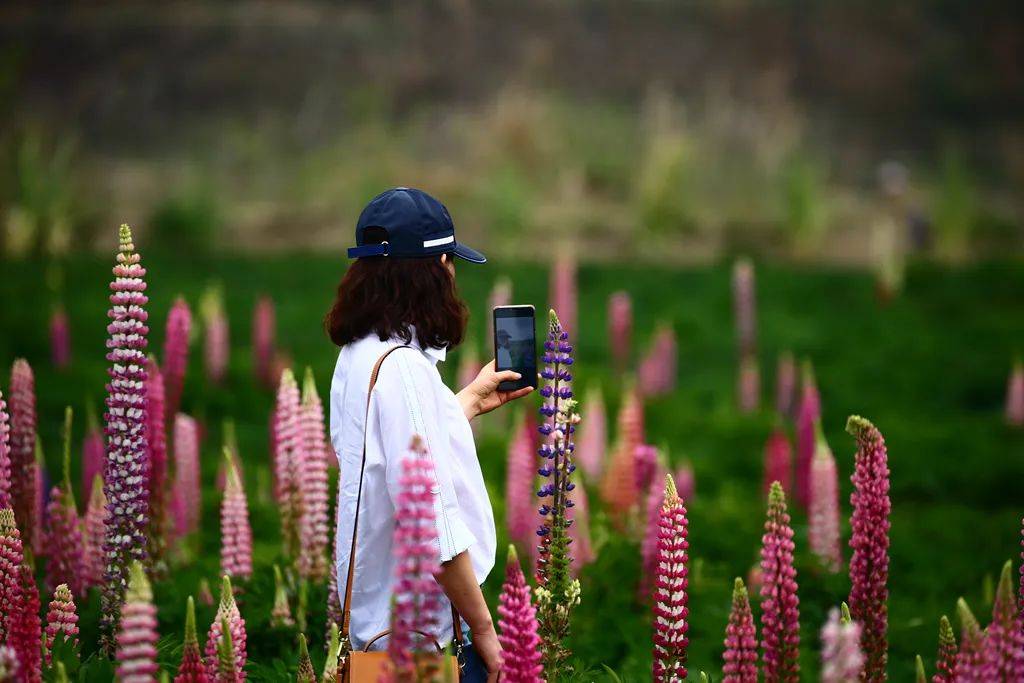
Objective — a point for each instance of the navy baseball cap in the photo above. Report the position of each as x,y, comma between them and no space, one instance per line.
416,224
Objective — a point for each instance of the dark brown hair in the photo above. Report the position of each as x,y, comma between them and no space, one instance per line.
389,296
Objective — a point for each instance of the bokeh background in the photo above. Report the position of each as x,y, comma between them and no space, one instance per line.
869,158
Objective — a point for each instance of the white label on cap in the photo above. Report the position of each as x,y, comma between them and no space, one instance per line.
439,241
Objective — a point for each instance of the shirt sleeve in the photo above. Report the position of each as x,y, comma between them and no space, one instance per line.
407,400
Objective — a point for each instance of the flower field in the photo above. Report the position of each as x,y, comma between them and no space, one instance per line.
928,369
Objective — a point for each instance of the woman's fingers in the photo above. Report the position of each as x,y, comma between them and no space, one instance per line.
506,375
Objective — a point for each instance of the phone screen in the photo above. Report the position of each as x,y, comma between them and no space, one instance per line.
515,344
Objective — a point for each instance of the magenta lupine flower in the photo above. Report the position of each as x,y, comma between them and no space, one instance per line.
216,337
945,660
655,499
26,633
501,295
227,613
592,445
61,621
970,661
289,437
263,341
418,598
1020,593
64,542
646,457
686,481
671,590
156,437
562,289
778,461
841,658
235,532
1003,650
186,474
93,532
869,565
658,369
785,384
94,451
823,517
5,455
23,450
192,668
517,624
1015,395
12,556
808,415
312,478
740,657
127,466
620,328
744,302
748,384
179,327
780,606
137,637
60,339
521,472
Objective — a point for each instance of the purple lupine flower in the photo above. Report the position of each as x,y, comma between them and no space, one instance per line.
521,472
192,669
235,532
841,658
562,289
744,301
1014,410
620,328
592,445
809,413
60,339
287,452
740,657
23,450
869,565
418,597
780,606
61,621
186,500
93,532
137,637
26,632
216,336
229,616
1003,649
671,590
94,450
517,623
312,478
64,542
658,369
12,556
823,516
179,327
785,384
646,465
945,660
501,295
618,488
5,455
127,466
970,661
156,437
263,341
748,384
778,461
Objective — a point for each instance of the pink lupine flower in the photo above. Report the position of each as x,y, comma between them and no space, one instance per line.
312,478
12,556
823,523
869,565
289,437
744,301
137,637
655,500
748,384
780,606
192,668
61,621
64,542
127,468
263,341
618,488
945,661
179,327
785,384
93,533
778,461
562,289
686,481
469,365
646,457
808,415
592,445
740,655
418,597
23,450
60,339
26,632
517,623
501,295
216,337
333,596
521,472
658,369
94,451
671,596
841,658
205,595
156,437
1003,650
620,328
235,532
579,530
970,661
227,613
5,455
186,474
1015,395
1020,593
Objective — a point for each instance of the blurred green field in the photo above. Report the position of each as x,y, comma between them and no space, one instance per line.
929,369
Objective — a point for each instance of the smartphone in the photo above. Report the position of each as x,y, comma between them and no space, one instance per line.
515,344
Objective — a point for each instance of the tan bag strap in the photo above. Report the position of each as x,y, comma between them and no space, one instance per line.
346,613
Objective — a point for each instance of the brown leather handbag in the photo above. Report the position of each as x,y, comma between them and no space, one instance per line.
365,666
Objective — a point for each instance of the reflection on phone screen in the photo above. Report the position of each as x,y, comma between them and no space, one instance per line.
513,342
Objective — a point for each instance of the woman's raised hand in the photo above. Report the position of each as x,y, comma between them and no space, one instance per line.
482,395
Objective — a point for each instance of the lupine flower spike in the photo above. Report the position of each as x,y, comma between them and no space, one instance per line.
156,437
227,660
823,529
652,532
61,622
204,593
618,489
785,384
919,675
658,369
778,461
127,468
306,673
192,669
740,640
808,415
312,478
94,450
63,528
216,342
186,500
686,480
646,465
235,532
521,473
227,621
12,556
5,455
841,658
748,384
592,445
620,329
579,530
136,641
869,565
26,633
60,339
263,341
1015,395
93,533
469,364
517,622
780,606
330,674
744,306
288,447
281,614
945,661
671,593
970,662
1004,637
1020,593
179,327
23,449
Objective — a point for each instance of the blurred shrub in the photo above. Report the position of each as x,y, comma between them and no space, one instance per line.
954,205
187,221
664,189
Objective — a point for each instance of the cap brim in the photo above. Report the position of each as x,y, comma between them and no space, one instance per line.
471,255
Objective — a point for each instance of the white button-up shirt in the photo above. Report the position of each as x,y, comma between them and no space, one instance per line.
408,399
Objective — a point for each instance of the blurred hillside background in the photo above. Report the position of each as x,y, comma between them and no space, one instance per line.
655,130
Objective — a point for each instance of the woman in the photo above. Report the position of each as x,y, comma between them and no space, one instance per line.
401,291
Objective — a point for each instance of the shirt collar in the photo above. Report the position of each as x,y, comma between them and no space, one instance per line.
434,354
